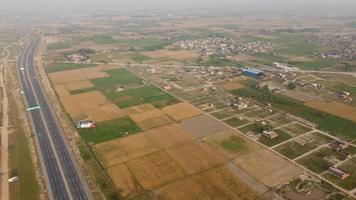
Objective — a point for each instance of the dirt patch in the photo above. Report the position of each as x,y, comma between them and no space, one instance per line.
267,167
334,108
123,180
229,146
151,119
203,126
232,85
181,111
61,90
155,170
301,96
170,136
77,85
195,157
244,57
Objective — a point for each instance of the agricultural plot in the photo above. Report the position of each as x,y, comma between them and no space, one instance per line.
195,157
267,167
231,144
151,119
350,182
203,126
302,145
236,121
317,161
57,67
220,182
295,129
142,95
109,130
169,136
181,111
117,78
155,170
123,180
121,150
254,128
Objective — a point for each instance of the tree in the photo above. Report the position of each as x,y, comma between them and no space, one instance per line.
291,86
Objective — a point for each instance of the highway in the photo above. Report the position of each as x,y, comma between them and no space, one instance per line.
64,179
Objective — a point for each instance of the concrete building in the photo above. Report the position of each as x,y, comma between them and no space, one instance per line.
339,173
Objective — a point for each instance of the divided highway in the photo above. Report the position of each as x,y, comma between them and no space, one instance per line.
63,178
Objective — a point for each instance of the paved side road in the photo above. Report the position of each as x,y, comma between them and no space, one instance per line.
64,179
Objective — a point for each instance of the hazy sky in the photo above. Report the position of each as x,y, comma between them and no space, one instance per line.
75,5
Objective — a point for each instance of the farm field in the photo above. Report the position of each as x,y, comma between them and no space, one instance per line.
315,161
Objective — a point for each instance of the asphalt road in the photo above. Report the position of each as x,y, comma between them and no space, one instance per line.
64,179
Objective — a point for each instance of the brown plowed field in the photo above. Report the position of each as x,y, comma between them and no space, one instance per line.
123,180
77,85
203,126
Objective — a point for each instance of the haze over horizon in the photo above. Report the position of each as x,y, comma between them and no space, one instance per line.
72,6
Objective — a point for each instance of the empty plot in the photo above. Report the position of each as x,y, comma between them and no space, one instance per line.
231,143
279,120
124,149
295,129
123,180
181,111
195,157
203,126
316,161
267,167
155,170
236,121
169,136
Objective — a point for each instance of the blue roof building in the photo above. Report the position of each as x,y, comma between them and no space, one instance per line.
252,72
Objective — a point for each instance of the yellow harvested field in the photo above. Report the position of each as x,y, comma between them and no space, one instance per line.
150,119
154,122
195,157
216,183
334,108
68,76
155,170
177,55
124,149
105,113
123,180
139,109
181,111
61,90
146,115
169,136
244,146
77,85
267,167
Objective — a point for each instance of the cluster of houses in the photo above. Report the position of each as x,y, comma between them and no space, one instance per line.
340,46
215,73
224,46
346,96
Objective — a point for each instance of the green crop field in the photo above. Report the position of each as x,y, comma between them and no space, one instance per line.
118,77
315,161
296,129
282,136
234,144
57,67
103,39
60,45
139,57
254,127
142,95
109,130
318,64
293,149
